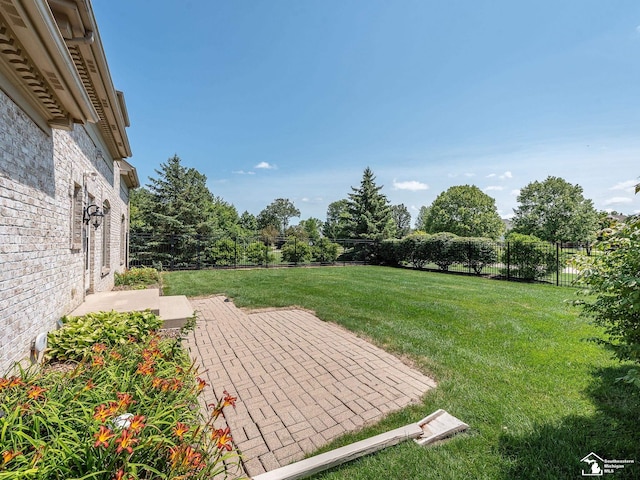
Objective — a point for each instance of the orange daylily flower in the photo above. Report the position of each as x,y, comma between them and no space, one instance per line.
9,455
145,368
186,457
222,438
137,423
16,382
180,429
102,413
97,361
228,400
201,384
121,475
124,400
99,347
102,436
115,355
36,392
126,442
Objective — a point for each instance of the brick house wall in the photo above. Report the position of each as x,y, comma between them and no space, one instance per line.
43,254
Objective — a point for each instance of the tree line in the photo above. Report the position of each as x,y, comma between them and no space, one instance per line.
178,202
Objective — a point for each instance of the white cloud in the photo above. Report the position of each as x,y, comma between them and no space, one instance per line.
626,185
265,166
491,175
411,185
617,200
242,172
515,193
493,188
304,199
506,175
469,174
414,208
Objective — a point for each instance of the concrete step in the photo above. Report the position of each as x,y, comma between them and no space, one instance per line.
120,301
174,310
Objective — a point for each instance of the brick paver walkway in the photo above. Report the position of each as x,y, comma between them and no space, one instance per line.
300,382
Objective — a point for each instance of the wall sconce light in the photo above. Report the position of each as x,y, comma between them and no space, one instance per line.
93,215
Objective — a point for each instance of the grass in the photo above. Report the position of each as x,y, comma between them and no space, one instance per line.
510,359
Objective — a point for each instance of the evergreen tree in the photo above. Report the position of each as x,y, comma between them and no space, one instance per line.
369,210
183,204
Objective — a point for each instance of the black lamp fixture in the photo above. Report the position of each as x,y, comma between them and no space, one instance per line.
93,215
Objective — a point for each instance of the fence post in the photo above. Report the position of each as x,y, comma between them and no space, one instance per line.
295,251
235,253
198,239
508,262
557,264
172,252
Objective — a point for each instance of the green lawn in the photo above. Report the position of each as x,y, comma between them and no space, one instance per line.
510,359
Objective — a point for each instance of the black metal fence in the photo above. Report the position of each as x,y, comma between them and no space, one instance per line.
515,261
183,252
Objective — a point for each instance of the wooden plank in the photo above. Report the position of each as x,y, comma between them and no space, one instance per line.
440,424
324,461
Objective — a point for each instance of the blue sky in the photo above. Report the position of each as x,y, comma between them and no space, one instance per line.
295,98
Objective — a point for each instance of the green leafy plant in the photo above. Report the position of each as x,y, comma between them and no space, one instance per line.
610,281
137,277
75,339
295,251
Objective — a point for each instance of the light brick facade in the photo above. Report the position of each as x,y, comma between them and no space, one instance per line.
43,272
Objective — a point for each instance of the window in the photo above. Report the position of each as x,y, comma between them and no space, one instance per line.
76,217
106,238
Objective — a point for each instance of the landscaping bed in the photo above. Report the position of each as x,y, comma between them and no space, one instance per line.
115,399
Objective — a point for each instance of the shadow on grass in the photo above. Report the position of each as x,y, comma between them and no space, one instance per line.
554,451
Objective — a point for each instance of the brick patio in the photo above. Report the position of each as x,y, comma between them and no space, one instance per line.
300,382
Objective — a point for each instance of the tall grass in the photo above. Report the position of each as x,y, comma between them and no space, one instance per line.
510,359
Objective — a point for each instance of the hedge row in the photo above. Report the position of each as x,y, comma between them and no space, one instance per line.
522,256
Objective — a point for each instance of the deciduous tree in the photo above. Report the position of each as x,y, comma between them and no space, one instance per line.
464,210
402,219
338,218
277,214
555,210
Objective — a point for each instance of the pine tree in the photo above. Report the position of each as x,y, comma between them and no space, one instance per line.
369,210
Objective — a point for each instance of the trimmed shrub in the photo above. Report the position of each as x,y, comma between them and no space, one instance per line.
324,250
389,252
475,252
440,249
258,253
528,258
222,252
413,249
295,251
